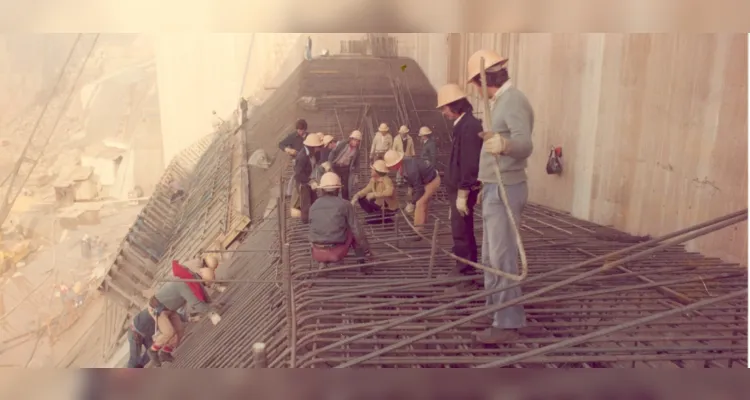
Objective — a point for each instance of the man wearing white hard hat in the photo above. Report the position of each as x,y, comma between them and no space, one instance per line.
379,199
421,176
460,177
429,146
329,143
334,227
404,144
344,160
305,165
510,142
291,145
382,142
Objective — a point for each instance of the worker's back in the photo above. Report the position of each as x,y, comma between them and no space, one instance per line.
329,219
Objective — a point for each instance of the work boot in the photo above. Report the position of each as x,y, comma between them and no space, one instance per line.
165,357
494,335
153,355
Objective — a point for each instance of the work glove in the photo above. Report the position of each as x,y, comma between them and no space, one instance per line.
326,166
290,151
409,208
496,144
371,195
313,185
355,198
461,206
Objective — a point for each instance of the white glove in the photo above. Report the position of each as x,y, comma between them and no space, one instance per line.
496,144
463,195
355,198
371,195
313,185
409,208
290,151
326,166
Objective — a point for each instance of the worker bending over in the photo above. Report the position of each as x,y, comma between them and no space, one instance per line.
379,198
329,143
140,338
382,142
344,160
404,144
304,175
512,124
429,147
172,296
422,178
291,145
461,181
334,228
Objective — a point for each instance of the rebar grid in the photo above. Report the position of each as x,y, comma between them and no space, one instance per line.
333,317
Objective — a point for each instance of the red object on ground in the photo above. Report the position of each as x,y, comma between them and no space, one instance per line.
183,273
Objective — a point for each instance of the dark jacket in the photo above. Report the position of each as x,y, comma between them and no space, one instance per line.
463,167
303,167
353,163
417,173
429,151
293,140
331,217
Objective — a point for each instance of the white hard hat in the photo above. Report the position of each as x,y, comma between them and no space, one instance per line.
491,59
330,180
448,94
313,140
379,166
327,139
424,131
211,261
321,135
392,157
383,127
207,274
356,135
403,129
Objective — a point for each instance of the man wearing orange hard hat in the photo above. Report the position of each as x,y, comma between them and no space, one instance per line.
508,145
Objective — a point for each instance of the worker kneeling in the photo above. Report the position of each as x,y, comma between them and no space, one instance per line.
171,297
422,178
334,227
378,199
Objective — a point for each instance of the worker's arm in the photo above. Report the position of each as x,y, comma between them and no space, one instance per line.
366,189
388,188
470,147
520,121
287,141
193,303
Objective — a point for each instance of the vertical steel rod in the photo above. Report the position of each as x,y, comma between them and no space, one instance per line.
433,248
290,318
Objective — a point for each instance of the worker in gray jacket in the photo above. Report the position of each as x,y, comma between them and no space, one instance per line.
334,227
510,139
344,160
429,147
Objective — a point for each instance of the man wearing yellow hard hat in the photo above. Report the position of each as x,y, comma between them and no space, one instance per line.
510,141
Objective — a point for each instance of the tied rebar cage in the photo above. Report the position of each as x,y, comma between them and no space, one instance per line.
594,297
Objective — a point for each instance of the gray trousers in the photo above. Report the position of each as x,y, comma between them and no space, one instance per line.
499,250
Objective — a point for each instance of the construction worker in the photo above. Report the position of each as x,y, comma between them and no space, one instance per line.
461,181
421,176
382,142
292,144
378,199
334,227
344,160
509,142
429,147
164,306
305,166
404,144
243,110
142,328
329,143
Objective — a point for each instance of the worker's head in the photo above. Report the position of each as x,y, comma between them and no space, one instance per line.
393,159
403,130
379,169
452,102
330,184
495,69
383,128
329,141
424,133
355,138
301,126
207,275
313,142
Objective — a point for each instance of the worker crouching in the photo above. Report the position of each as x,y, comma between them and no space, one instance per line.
379,198
334,228
421,177
172,296
305,165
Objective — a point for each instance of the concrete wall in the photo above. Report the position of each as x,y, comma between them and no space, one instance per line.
653,126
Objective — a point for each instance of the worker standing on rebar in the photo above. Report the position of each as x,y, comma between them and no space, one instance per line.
429,147
509,144
422,177
164,306
140,338
334,227
379,199
344,160
304,174
382,142
404,144
292,144
461,181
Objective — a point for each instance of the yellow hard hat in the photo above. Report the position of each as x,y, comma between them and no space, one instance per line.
448,94
392,157
383,127
356,135
211,261
313,140
403,129
207,274
491,59
424,131
327,139
379,166
330,180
